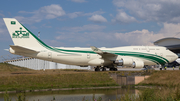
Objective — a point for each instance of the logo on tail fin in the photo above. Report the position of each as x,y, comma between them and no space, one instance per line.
20,34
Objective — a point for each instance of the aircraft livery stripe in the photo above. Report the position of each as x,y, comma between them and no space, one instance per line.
138,53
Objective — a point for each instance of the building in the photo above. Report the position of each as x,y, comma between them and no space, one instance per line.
37,64
171,43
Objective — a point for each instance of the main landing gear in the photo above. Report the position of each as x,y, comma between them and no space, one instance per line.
98,68
113,69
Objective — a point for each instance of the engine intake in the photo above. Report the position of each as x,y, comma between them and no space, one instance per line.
124,62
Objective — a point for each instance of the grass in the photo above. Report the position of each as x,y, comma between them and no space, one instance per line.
155,94
18,78
163,78
5,67
31,82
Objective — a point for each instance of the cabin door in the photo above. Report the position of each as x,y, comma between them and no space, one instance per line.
88,56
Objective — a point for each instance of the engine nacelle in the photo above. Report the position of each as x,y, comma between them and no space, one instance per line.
96,62
138,64
124,62
130,62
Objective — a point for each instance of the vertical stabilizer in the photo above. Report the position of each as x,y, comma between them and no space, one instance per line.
21,36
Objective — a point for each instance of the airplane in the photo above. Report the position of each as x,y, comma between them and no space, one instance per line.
29,45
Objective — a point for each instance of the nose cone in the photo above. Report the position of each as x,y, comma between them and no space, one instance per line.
175,57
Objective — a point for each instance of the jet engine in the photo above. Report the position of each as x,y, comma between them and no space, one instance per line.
129,62
124,62
99,62
138,64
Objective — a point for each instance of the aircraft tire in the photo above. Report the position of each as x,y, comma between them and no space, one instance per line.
104,69
115,69
97,69
111,69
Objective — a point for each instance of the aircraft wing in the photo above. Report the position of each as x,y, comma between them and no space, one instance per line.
102,53
20,49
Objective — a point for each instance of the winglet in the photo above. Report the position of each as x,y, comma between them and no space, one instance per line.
102,53
96,50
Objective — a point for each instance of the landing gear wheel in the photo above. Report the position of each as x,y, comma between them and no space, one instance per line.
115,69
104,69
97,69
111,69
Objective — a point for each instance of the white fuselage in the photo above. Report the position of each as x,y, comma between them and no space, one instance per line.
150,55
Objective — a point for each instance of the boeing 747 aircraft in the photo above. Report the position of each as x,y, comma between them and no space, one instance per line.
27,44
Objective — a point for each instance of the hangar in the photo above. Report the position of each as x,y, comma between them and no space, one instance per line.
37,64
171,43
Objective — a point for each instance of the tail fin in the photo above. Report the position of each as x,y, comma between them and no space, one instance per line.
21,36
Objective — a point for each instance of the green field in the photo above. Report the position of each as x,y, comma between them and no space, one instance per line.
18,78
164,78
166,86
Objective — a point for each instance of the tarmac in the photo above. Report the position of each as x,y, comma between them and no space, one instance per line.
139,69
167,68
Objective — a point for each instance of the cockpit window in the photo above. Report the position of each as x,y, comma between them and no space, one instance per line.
167,49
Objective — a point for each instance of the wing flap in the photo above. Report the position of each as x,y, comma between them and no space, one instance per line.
20,49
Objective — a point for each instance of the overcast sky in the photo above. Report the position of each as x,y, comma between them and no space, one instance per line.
100,23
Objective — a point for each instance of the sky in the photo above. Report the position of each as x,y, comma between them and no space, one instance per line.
85,23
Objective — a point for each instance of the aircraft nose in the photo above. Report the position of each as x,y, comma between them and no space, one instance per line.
176,56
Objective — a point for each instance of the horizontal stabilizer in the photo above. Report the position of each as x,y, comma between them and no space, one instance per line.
22,49
6,49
